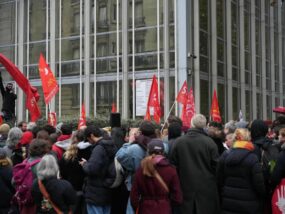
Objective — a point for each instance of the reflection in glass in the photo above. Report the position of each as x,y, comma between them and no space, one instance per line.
71,17
204,93
7,23
70,49
37,20
35,50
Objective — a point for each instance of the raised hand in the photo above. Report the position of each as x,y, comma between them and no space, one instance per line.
281,199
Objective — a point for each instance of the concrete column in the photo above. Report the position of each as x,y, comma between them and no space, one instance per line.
20,20
280,54
52,44
253,58
272,59
263,60
182,41
125,61
196,52
242,63
229,60
87,56
213,24
166,56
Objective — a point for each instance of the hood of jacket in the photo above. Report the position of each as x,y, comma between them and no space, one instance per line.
63,144
83,145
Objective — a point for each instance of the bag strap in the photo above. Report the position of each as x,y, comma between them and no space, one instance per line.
161,181
47,197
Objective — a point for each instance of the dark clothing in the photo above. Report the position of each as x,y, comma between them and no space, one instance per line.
241,182
7,190
61,193
71,171
219,143
3,139
97,189
150,196
195,156
9,98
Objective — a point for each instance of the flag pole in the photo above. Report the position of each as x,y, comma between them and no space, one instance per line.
168,115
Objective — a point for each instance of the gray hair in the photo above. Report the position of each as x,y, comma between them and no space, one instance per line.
47,167
231,126
14,136
199,121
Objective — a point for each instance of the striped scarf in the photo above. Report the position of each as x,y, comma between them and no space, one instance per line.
243,145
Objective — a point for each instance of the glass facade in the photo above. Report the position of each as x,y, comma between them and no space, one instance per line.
82,41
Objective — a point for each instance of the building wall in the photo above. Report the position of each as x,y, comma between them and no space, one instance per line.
240,54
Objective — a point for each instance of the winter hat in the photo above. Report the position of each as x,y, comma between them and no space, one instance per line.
147,128
4,128
3,153
155,145
258,129
26,138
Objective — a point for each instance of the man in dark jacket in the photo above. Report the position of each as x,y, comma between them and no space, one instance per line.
97,193
9,98
196,155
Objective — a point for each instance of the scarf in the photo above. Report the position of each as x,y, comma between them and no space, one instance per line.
243,145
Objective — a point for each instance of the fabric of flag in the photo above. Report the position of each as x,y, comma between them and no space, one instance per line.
182,95
32,96
49,84
147,115
153,101
215,111
82,119
188,110
114,108
52,119
240,115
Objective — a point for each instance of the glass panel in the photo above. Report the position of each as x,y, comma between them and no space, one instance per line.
221,69
222,100
204,14
220,50
235,73
203,43
259,104
234,23
37,20
248,105
8,51
70,49
70,68
70,101
204,89
220,18
204,64
7,23
235,104
71,17
35,50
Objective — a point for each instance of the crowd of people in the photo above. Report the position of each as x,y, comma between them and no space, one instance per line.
210,168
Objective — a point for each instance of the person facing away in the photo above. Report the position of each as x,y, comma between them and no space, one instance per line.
240,177
9,98
195,156
60,191
156,186
97,193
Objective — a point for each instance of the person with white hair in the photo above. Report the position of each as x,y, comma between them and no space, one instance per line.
195,156
51,194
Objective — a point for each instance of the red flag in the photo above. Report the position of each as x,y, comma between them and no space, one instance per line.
215,111
82,119
182,95
52,119
114,108
153,101
188,110
31,92
147,115
49,84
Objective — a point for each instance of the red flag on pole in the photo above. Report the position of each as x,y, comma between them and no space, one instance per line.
82,119
114,108
147,115
31,92
188,110
52,119
182,95
49,84
215,111
153,101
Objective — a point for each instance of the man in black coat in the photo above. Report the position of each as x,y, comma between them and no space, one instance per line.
195,156
97,193
9,98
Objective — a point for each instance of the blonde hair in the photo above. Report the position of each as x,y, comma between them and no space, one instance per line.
72,150
242,134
